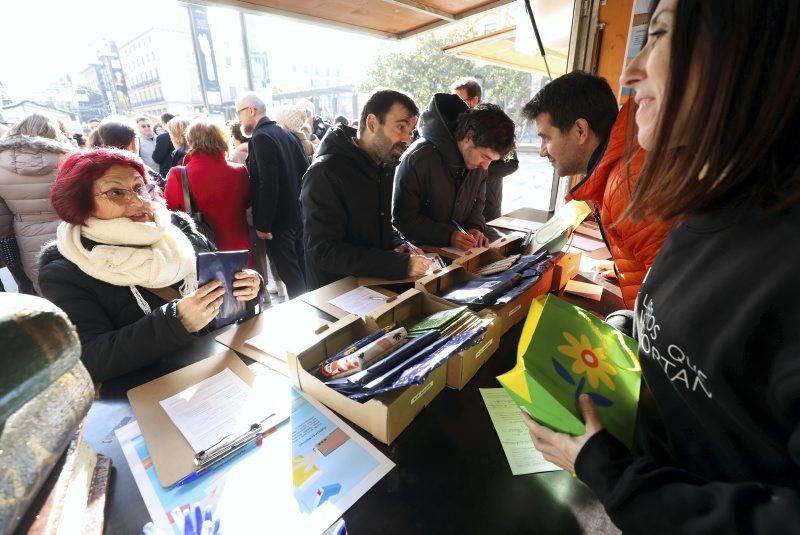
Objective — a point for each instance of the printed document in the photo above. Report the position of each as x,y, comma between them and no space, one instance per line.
522,456
215,410
306,474
360,301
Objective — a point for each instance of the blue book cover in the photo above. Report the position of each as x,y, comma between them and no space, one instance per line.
483,290
221,266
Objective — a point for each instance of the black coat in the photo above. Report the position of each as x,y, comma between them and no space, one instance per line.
276,163
116,336
177,156
162,154
498,170
346,203
432,185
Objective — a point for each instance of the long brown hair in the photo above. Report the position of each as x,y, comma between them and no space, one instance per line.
743,116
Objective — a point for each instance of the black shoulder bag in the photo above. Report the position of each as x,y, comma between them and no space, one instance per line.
200,221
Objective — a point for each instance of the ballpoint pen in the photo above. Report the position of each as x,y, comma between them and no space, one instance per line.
219,453
239,448
458,227
461,229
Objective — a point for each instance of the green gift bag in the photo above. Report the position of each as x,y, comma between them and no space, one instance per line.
565,351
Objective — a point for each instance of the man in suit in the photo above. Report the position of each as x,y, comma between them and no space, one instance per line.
162,153
276,163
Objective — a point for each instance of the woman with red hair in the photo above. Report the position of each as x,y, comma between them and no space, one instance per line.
123,267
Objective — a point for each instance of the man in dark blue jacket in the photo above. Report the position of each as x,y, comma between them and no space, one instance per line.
276,163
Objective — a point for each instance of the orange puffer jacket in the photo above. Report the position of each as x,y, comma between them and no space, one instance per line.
633,244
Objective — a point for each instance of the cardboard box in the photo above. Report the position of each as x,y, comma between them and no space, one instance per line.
509,314
451,253
567,266
476,258
320,298
508,244
500,247
417,304
286,327
384,416
463,367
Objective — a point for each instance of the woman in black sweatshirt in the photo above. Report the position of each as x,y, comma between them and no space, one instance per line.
717,446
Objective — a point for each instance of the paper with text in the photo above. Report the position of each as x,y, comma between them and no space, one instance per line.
523,457
360,301
307,473
215,409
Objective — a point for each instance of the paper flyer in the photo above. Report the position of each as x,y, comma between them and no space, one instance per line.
304,476
523,457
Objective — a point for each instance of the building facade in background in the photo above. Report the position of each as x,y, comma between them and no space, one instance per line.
160,68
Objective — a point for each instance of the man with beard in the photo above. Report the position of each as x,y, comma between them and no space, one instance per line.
440,186
347,192
276,163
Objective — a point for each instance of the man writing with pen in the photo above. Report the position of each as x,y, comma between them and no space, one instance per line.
346,197
440,184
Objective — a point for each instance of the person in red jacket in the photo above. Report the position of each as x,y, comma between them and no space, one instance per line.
220,189
583,134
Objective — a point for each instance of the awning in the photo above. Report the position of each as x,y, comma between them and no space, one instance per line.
500,48
388,18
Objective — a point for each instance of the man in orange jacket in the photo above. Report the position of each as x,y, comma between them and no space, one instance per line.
583,133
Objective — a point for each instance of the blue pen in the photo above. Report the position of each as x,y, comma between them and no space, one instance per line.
458,227
234,451
409,246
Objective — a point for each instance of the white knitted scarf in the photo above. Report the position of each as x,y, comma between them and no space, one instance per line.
129,253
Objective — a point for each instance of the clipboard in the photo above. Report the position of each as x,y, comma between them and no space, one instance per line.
171,454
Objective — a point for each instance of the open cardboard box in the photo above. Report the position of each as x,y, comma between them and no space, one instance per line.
452,253
508,244
320,298
285,328
384,416
415,304
499,249
509,314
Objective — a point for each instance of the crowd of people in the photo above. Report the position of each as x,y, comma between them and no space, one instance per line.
694,183
311,201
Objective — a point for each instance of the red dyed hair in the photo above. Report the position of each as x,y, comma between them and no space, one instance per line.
72,195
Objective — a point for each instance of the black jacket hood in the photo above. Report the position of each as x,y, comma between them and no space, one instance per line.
438,123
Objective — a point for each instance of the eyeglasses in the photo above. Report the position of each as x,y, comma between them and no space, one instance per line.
144,126
124,196
242,109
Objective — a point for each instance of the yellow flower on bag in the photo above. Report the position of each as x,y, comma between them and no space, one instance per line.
588,360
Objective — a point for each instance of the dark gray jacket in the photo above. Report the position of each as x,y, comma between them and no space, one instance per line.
346,202
432,185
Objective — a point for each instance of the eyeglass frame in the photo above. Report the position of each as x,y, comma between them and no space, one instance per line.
240,110
149,189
